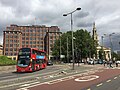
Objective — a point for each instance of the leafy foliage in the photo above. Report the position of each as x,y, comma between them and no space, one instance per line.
83,44
4,60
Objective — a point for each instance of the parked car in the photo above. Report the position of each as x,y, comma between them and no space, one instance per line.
49,63
90,62
118,62
100,61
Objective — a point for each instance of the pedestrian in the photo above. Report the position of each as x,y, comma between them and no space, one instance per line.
116,64
104,62
93,62
110,63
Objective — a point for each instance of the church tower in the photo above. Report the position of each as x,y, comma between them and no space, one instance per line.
95,35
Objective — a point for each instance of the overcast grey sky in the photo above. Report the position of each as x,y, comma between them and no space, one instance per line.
106,14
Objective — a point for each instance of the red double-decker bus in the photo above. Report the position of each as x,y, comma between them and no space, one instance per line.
31,59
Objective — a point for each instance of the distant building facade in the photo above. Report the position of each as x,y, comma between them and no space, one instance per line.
50,40
15,37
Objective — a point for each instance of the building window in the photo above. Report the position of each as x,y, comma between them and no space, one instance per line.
23,42
7,45
6,53
15,55
27,30
15,41
30,42
27,42
11,54
37,42
15,49
7,36
34,42
11,36
23,34
27,38
11,41
27,34
11,45
11,49
23,38
7,41
31,30
6,49
51,37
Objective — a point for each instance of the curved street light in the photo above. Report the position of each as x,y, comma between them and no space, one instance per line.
111,44
72,33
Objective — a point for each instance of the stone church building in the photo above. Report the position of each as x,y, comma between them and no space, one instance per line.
106,51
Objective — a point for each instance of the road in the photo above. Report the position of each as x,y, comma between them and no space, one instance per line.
101,79
13,80
110,84
61,77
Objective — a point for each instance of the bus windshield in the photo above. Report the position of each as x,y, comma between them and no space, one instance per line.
23,61
25,51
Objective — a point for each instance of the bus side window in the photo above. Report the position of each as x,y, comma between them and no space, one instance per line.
33,51
38,53
37,61
40,61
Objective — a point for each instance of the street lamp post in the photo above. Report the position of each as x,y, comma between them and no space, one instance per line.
67,51
72,33
102,48
111,44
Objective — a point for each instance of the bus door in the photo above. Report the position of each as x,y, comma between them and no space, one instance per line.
33,65
41,64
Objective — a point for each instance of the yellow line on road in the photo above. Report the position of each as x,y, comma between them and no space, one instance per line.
99,84
108,81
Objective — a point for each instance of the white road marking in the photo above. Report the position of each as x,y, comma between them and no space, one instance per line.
99,84
49,82
62,79
115,77
108,81
28,84
6,77
17,84
86,78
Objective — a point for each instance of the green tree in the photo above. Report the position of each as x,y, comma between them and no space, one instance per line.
83,44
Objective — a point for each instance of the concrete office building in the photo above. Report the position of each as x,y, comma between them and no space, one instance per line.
33,36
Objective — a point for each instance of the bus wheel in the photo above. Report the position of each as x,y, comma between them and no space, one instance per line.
33,69
37,68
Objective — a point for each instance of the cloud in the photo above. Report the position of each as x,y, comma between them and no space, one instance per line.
50,12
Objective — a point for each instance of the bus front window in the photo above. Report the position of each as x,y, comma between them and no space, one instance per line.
23,62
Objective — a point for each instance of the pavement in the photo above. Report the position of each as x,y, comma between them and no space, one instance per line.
67,76
12,68
6,69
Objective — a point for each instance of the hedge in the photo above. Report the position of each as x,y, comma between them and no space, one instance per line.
4,61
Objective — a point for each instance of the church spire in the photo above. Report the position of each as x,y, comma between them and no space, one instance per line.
95,35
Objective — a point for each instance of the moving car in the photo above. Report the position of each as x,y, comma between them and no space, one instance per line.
49,63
